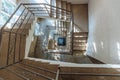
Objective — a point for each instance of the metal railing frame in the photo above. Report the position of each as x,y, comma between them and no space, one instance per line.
24,14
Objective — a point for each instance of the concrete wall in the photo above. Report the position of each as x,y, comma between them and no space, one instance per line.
81,16
104,30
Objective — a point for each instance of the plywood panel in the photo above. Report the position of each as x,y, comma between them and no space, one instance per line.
80,13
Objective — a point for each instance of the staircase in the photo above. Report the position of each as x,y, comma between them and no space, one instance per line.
18,30
29,70
80,41
17,33
89,73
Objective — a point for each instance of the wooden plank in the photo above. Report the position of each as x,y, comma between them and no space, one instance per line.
7,75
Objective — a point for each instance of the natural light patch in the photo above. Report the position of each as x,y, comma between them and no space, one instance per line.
9,26
52,22
118,47
57,56
94,45
41,33
102,45
42,1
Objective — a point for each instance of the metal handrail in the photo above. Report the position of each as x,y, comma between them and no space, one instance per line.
34,7
20,33
76,26
26,23
57,75
17,20
45,4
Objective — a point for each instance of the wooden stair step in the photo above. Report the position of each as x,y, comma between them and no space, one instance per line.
7,75
79,50
38,70
29,74
89,70
79,45
80,38
80,41
41,64
80,33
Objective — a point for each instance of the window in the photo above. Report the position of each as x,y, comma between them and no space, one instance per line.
8,7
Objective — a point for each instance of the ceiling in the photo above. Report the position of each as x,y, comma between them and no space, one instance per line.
77,1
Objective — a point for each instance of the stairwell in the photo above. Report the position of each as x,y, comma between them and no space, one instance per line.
80,41
15,44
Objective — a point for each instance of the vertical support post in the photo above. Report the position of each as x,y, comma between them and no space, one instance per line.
8,48
19,49
14,49
72,29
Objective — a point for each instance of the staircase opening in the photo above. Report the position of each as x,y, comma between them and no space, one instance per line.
38,31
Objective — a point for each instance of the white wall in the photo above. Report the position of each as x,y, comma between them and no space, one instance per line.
30,37
104,30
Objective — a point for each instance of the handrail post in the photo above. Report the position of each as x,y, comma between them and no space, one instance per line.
72,30
57,74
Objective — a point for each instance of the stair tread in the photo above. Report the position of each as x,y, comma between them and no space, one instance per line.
24,73
40,64
38,71
7,75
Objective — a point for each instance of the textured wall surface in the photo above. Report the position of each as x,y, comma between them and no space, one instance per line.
104,30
